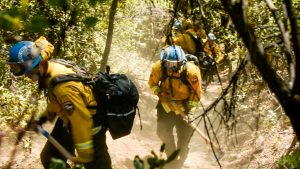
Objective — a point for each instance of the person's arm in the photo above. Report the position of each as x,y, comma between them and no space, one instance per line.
154,78
218,54
194,78
80,118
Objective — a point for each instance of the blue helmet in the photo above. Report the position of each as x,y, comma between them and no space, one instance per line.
22,57
173,57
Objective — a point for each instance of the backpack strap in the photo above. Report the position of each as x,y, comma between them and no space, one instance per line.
164,72
66,78
183,75
78,69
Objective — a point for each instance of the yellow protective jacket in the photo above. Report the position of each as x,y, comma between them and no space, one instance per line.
69,100
201,33
186,42
184,95
212,49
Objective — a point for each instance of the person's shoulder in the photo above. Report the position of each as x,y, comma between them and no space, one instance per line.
192,31
157,65
192,68
71,88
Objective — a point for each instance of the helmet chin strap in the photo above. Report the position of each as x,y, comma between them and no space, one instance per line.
33,65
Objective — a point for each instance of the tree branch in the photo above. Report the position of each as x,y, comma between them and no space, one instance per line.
296,45
258,56
285,39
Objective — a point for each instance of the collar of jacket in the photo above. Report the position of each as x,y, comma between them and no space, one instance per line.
55,69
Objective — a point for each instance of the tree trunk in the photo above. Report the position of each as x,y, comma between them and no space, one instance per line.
112,12
289,100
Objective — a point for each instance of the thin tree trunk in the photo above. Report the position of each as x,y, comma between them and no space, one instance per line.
113,10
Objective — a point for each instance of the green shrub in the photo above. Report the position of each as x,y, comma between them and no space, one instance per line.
291,161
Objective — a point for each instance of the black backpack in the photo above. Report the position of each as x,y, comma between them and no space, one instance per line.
116,95
205,62
199,44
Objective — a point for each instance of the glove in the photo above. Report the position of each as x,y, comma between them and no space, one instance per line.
163,97
190,117
42,120
205,63
32,125
211,61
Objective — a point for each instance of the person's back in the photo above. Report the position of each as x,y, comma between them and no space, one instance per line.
75,127
192,40
186,42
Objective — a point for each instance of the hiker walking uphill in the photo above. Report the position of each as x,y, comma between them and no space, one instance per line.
192,38
75,128
214,56
177,83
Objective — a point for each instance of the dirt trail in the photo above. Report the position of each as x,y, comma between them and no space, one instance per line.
122,151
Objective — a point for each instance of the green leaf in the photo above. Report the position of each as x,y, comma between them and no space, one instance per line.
11,19
138,163
37,24
102,1
90,21
151,161
172,156
57,164
94,2
58,3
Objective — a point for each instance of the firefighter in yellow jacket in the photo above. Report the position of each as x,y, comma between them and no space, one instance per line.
177,83
212,49
75,128
214,56
185,39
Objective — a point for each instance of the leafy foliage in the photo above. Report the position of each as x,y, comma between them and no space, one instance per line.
155,161
290,161
57,164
